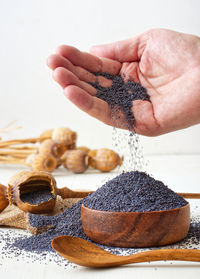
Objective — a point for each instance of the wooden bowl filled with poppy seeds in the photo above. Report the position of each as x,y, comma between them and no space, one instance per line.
135,210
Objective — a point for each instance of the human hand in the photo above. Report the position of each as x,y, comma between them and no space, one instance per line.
165,62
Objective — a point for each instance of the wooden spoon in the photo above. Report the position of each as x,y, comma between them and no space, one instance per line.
189,195
85,253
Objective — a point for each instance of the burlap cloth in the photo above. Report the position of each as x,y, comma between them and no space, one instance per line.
14,217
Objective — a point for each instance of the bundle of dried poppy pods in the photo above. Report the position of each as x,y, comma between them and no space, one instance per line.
54,148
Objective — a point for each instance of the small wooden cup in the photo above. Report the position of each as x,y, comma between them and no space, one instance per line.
136,229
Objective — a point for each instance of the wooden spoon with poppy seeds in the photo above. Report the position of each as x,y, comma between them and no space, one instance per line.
85,253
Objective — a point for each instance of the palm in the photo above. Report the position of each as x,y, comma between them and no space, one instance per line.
166,63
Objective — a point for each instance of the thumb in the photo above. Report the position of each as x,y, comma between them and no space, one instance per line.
123,51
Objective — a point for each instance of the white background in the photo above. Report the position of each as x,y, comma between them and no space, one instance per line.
30,30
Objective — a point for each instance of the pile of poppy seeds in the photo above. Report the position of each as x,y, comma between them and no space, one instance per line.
134,191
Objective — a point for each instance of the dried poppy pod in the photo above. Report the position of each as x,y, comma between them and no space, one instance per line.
84,148
44,162
28,182
75,160
65,136
3,197
104,159
52,147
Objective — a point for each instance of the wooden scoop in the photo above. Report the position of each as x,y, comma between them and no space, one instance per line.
30,181
136,229
85,253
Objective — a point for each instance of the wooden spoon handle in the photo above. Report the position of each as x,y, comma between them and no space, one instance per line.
163,255
67,193
190,195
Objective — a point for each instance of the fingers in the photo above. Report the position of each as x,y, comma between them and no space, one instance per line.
124,51
66,78
86,76
55,60
95,107
81,94
88,61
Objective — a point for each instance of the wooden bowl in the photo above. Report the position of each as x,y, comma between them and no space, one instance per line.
136,229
